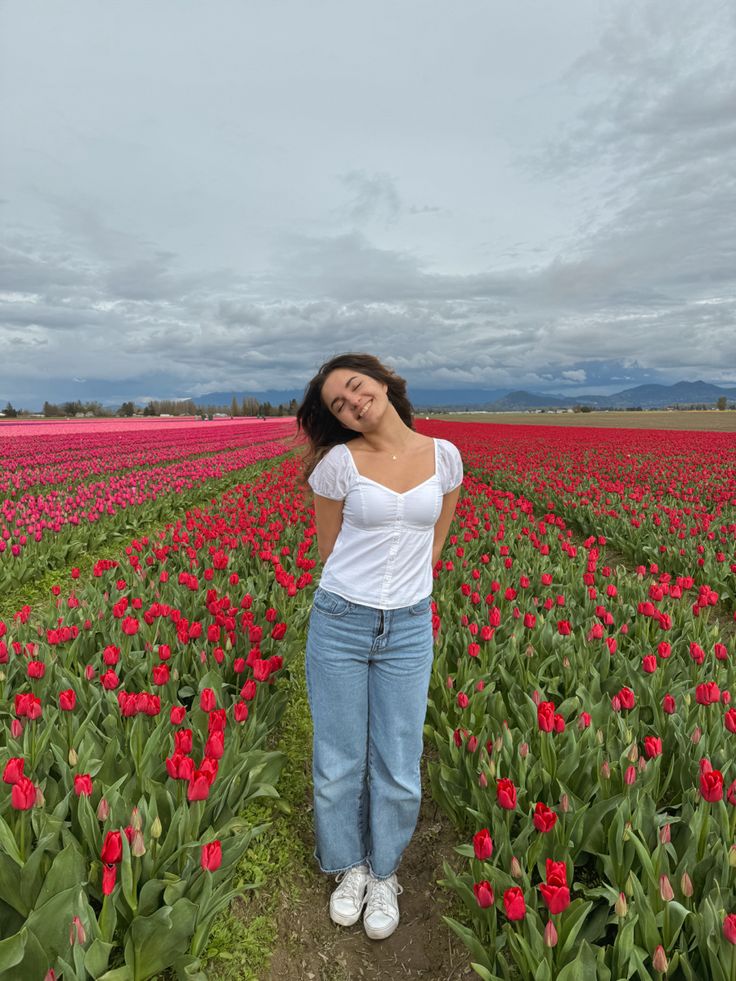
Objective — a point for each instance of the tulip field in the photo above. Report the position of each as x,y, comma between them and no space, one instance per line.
580,728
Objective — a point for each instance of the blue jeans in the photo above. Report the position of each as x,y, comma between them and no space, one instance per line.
367,680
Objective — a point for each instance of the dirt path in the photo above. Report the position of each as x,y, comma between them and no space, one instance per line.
312,948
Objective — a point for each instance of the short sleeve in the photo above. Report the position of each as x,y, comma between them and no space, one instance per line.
450,466
332,476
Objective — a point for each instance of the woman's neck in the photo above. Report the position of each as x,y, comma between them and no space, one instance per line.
391,435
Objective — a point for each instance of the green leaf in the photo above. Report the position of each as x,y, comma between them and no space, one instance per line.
7,842
12,950
583,968
153,943
97,957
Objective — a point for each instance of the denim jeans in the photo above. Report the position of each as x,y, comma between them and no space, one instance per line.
367,680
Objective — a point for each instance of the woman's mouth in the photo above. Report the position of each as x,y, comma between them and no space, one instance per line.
365,408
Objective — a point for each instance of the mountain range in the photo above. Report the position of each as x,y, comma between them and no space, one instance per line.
501,400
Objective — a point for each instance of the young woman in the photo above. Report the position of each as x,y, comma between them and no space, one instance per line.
384,498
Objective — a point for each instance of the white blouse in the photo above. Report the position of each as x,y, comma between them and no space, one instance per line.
383,553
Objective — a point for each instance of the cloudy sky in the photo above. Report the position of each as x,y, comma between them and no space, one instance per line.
508,194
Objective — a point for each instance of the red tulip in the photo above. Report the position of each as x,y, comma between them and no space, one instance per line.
545,716
112,848
109,878
199,786
544,818
729,928
211,857
513,901
483,893
652,746
13,769
483,845
67,700
82,784
207,700
23,794
711,785
506,794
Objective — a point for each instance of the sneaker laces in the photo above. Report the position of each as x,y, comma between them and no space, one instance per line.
382,895
352,884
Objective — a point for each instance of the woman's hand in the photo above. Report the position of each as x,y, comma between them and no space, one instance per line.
328,521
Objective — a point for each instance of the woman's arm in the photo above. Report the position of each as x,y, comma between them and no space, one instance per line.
441,528
328,521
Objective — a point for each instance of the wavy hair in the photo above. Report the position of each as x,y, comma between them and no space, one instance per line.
322,429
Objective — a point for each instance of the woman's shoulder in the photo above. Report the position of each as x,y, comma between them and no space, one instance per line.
449,465
332,475
446,448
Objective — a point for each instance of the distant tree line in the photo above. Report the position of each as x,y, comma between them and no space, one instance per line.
248,406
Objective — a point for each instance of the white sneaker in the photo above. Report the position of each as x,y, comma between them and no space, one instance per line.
381,915
346,902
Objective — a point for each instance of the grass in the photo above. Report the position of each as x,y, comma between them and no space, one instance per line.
709,420
244,938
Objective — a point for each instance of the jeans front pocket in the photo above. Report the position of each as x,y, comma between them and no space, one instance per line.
421,608
330,604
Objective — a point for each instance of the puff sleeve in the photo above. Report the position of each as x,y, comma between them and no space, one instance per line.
332,476
450,466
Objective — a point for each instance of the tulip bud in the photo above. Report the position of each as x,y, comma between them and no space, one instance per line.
666,892
686,885
696,735
564,803
515,869
524,750
626,836
483,779
732,856
606,770
665,834
138,845
498,744
73,758
136,821
599,737
629,887
621,907
156,828
550,935
633,753
565,664
103,810
630,775
659,960
77,932
16,728
40,800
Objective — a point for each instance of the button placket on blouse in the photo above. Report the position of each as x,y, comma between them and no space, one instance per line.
393,550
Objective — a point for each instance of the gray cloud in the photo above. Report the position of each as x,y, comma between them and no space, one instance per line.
562,221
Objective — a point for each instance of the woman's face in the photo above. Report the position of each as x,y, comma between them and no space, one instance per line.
356,400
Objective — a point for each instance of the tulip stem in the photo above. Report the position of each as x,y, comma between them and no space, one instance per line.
22,836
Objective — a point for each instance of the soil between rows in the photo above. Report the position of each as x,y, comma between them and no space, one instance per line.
311,948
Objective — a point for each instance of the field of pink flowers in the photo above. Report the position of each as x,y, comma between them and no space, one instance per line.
580,709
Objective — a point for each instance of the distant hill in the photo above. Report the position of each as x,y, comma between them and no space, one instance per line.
500,400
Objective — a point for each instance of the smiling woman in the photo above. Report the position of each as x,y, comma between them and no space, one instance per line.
384,499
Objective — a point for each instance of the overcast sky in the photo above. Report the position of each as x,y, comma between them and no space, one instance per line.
206,196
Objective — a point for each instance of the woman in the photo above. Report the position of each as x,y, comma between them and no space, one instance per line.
384,498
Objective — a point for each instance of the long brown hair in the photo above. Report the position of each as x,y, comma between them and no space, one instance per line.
322,429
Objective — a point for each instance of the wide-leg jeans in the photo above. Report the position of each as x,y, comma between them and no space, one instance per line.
367,681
